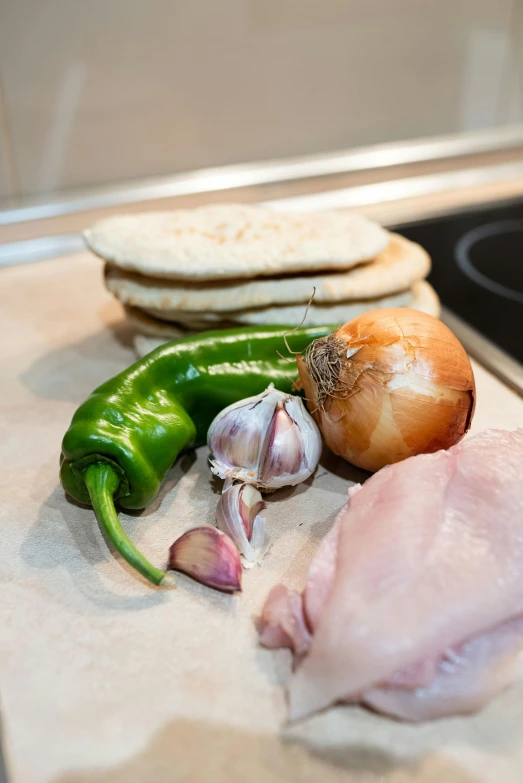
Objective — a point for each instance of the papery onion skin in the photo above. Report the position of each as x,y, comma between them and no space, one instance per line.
407,387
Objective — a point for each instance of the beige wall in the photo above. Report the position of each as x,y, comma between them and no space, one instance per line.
3,185
97,91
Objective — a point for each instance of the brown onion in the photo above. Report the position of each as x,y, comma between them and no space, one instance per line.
388,385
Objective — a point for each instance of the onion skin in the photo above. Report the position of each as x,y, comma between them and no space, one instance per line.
408,387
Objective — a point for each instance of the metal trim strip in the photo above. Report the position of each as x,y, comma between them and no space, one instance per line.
397,189
271,171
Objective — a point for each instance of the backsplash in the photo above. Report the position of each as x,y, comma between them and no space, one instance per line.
111,90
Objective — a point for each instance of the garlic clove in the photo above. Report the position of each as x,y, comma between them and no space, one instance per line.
208,555
310,434
260,537
251,504
237,514
237,434
240,427
294,449
283,454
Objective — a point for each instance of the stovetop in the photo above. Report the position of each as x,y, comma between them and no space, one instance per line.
477,270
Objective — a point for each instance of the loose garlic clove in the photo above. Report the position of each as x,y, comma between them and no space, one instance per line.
237,514
269,441
209,556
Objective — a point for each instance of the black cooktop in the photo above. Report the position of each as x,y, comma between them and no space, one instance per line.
477,269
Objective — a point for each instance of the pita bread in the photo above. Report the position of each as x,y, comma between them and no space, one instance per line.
424,298
396,268
224,241
421,297
153,327
340,312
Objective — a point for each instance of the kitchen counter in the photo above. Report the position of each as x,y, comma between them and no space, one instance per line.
104,678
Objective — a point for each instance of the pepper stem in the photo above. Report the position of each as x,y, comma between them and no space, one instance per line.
102,482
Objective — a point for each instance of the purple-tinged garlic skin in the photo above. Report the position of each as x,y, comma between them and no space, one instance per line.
269,441
208,555
282,451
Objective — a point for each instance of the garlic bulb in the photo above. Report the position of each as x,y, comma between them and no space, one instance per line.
269,441
388,385
238,515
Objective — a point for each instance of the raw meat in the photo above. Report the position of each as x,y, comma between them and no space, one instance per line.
466,678
282,623
414,601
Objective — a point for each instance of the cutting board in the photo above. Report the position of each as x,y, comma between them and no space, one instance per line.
103,678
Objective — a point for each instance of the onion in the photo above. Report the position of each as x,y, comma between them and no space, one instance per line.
388,385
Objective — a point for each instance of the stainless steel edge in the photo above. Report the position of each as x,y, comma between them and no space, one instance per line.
28,250
288,169
394,190
485,352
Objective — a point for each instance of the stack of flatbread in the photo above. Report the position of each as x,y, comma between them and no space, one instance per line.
230,265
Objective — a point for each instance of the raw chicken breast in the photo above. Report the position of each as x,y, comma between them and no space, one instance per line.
414,600
467,677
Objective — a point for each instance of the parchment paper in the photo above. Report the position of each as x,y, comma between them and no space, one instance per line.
103,678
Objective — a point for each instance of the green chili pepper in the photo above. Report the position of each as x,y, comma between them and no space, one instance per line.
124,438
